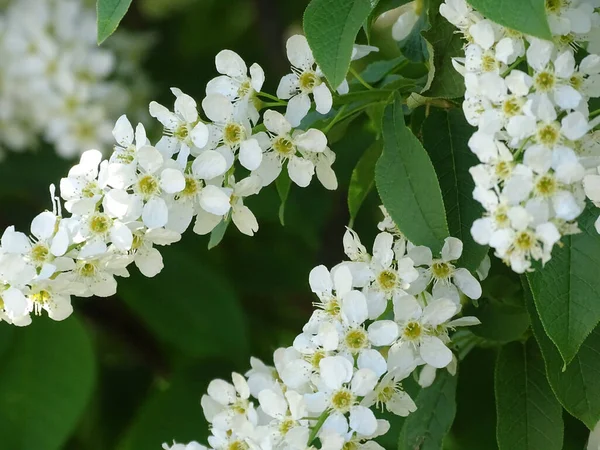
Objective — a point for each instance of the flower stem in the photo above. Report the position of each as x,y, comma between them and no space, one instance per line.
512,66
269,96
269,104
317,427
335,119
360,79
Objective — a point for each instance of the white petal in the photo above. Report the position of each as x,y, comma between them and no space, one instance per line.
323,98
155,213
320,280
312,140
301,171
362,420
383,332
372,359
230,63
288,86
149,159
335,371
42,226
434,352
244,220
452,249
209,164
299,53
213,200
199,135
149,262
172,181
297,108
123,131
217,108
439,312
276,122
363,381
354,308
467,283
250,154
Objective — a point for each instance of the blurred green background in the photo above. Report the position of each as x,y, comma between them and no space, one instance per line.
127,372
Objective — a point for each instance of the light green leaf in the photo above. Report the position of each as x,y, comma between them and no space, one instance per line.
283,184
188,305
526,16
445,137
426,428
46,379
577,386
446,43
331,27
566,290
110,13
529,415
218,233
407,183
363,179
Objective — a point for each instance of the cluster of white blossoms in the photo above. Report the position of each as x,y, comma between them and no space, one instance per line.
147,195
538,152
379,317
57,84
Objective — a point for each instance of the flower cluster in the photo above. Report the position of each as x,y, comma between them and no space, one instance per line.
528,98
147,195
56,83
378,318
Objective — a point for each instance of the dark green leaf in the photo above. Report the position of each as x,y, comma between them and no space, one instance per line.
376,71
407,183
414,46
445,137
567,289
446,43
283,184
529,415
501,310
331,27
426,428
189,306
363,178
218,233
577,386
46,380
526,16
172,412
110,13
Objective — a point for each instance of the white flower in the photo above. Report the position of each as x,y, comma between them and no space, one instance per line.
224,401
81,190
405,22
297,148
305,79
190,446
389,394
446,277
235,84
182,128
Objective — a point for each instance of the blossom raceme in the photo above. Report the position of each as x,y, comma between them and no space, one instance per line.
348,363
210,158
528,99
57,84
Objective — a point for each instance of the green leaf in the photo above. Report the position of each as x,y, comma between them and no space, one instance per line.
426,428
407,183
46,380
414,46
190,306
331,27
446,43
526,16
110,13
577,386
529,415
283,184
218,233
445,137
363,179
501,309
567,289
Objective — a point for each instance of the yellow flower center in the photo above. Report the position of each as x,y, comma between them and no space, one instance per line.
233,134
182,132
388,280
40,297
87,269
39,253
511,107
503,169
342,400
524,241
546,186
284,146
100,224
412,331
548,134
148,185
244,89
544,81
238,445
356,339
308,81
441,270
